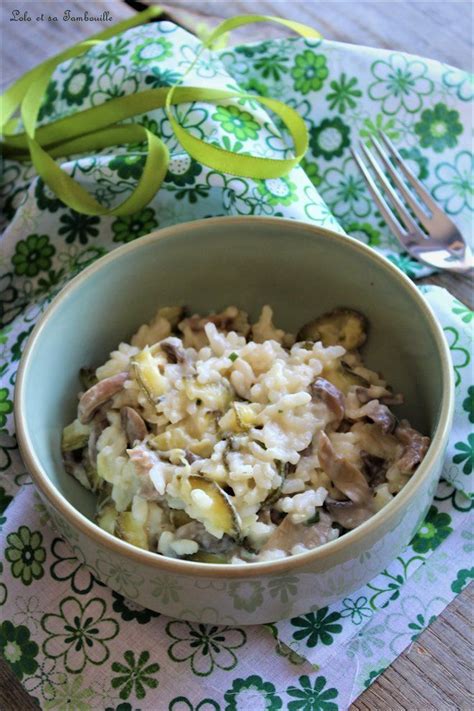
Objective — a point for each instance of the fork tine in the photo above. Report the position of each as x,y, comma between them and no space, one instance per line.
400,184
414,182
385,210
403,213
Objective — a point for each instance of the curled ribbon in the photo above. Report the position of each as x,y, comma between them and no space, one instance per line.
99,127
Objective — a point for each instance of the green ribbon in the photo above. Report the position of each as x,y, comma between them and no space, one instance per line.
99,127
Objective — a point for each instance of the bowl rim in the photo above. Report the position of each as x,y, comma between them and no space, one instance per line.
281,565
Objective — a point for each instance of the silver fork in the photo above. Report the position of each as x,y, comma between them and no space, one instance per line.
438,242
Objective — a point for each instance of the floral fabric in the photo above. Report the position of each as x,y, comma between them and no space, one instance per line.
75,644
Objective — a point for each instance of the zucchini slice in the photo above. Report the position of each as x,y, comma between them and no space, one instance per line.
149,378
131,530
204,557
274,495
179,517
173,314
215,396
107,518
344,378
87,377
75,436
220,516
341,327
245,415
238,418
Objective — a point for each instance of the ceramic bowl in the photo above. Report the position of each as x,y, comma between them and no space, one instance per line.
301,271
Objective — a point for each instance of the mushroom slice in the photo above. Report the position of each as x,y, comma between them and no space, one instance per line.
289,534
343,474
348,514
375,468
231,319
196,531
172,347
77,464
377,392
381,416
76,469
133,425
416,446
99,423
323,390
344,327
98,394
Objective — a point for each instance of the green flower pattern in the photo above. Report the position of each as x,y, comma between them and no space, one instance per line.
47,107
26,554
466,454
344,94
400,84
462,580
330,138
416,161
439,128
309,72
6,406
320,627
78,633
136,675
129,610
67,636
69,695
455,186
152,50
128,166
252,693
130,227
312,696
278,191
205,646
18,649
434,529
183,170
77,85
239,123
272,66
406,264
364,232
111,55
75,226
468,403
33,255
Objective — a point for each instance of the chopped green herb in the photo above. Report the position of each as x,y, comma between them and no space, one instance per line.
233,357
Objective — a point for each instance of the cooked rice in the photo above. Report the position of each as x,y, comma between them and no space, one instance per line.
214,439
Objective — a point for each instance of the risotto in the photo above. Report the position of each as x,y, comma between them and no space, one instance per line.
212,439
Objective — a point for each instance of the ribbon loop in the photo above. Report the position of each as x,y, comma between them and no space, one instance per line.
99,127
